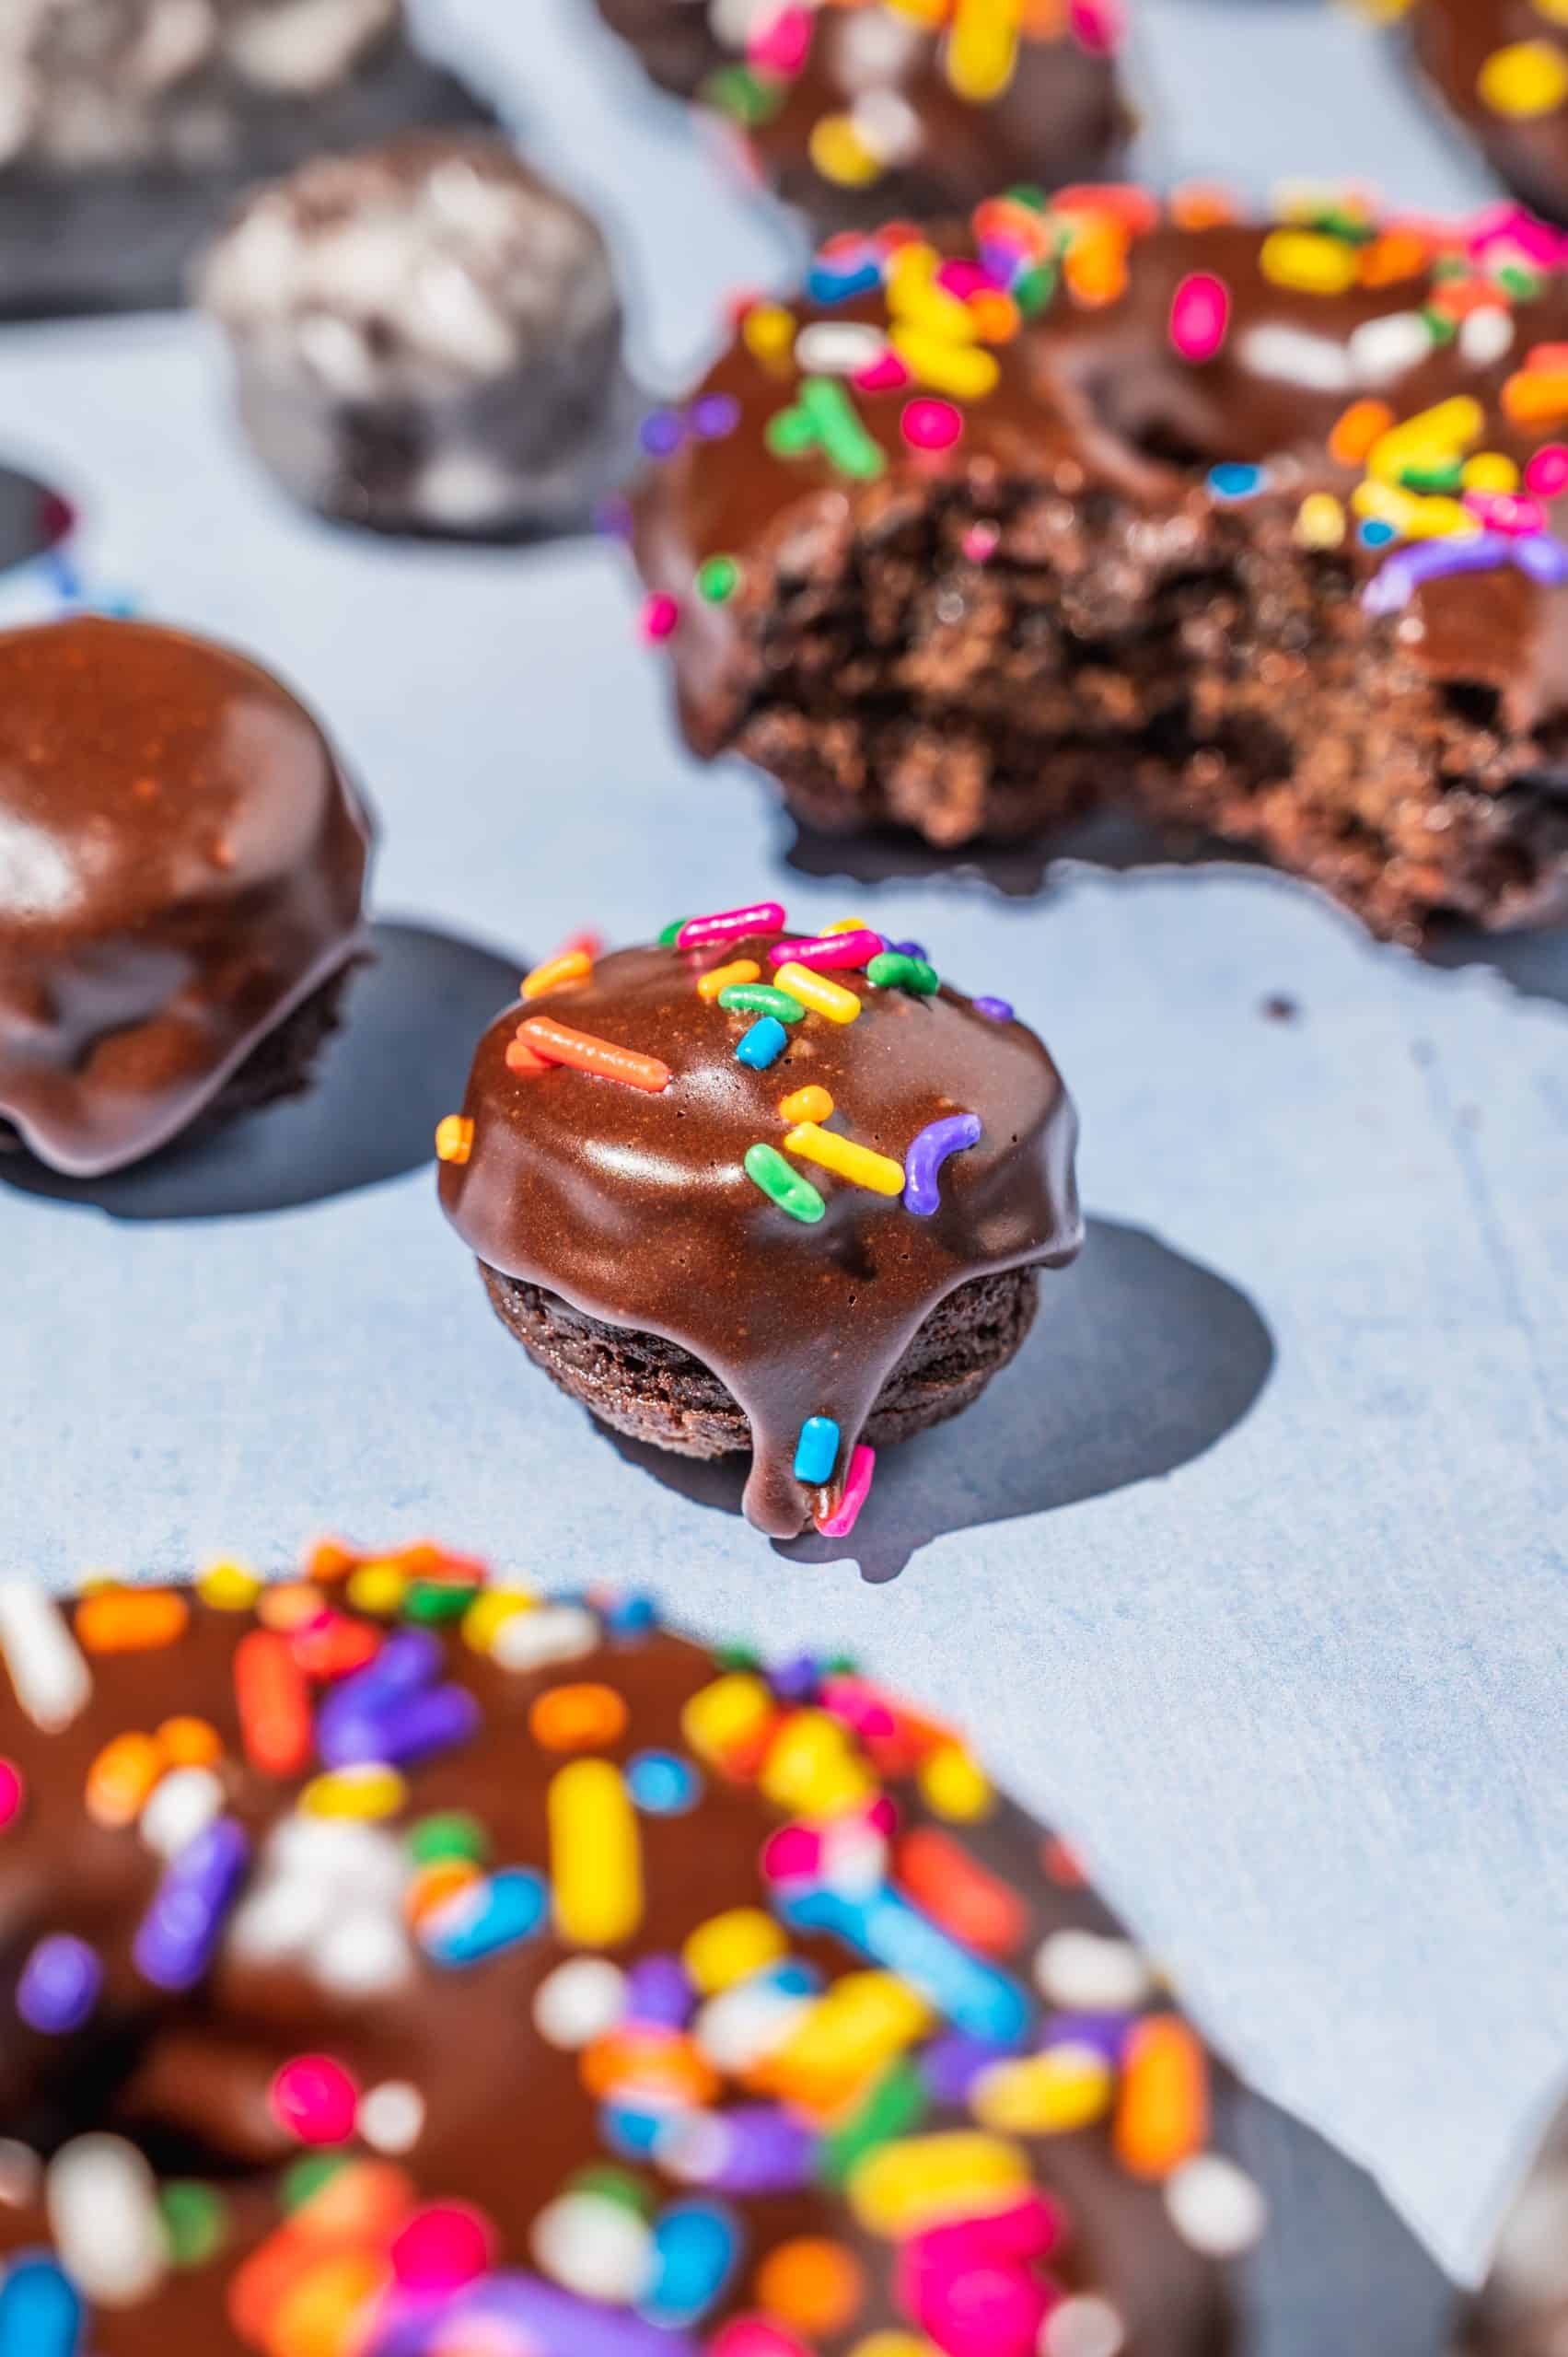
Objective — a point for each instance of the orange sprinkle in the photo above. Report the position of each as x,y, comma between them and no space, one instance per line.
188,1743
577,1718
1062,1863
1162,2112
121,1779
521,1059
1356,429
719,978
1005,217
131,1619
454,1138
273,1702
571,966
433,1885
1134,209
1458,297
1201,205
980,1909
292,1604
995,315
1395,254
1537,396
1095,267
808,1104
583,1053
811,2284
329,1560
1547,355
328,2311
366,2199
650,2062
334,1647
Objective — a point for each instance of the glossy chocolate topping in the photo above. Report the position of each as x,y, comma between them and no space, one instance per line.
638,1209
181,863
438,2046
1474,52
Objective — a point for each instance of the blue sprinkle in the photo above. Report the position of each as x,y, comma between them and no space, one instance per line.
41,2310
817,1450
630,1616
796,1681
662,1784
1374,533
882,1926
829,283
505,1910
696,2245
1233,480
629,2133
661,433
714,416
763,1044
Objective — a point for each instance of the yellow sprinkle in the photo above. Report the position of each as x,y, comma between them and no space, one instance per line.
596,1862
841,155
919,2181
1383,504
893,2344
1554,11
1441,519
917,299
955,1785
851,2032
573,965
1306,259
378,1588
454,1138
730,1711
813,1767
1044,2095
965,370
910,270
861,1165
360,1794
731,1947
807,1104
739,969
817,993
982,49
1527,77
929,13
1320,521
489,1613
122,1779
1490,471
229,1588
848,924
768,331
1430,437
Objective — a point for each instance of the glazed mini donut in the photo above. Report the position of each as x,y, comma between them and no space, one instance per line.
1501,68
857,109
1251,522
396,1964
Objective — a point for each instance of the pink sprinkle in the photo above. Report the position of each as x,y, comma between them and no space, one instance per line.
442,2247
660,614
1510,224
1096,25
1547,473
793,1854
985,2311
12,1791
860,1706
784,46
730,925
1199,314
1503,511
828,949
964,279
1028,2229
887,374
857,1489
316,2100
755,2336
980,543
931,425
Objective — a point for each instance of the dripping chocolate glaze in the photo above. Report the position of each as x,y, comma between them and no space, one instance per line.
181,864
1098,399
638,1209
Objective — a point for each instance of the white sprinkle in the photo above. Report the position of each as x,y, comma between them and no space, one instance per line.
1384,349
48,1668
1084,2327
738,2029
391,2117
1215,2207
556,1632
184,1804
1298,357
888,126
1487,334
104,2215
579,2000
365,1954
838,347
1091,1974
597,2248
694,2146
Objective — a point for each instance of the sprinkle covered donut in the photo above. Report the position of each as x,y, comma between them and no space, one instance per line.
853,109
400,1964
1501,68
748,1190
1253,523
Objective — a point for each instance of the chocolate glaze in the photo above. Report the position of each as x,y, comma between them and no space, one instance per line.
508,2120
637,1208
1061,118
1452,41
181,864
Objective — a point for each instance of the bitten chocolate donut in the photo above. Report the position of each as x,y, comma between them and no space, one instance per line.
1523,2309
1501,68
748,1190
399,1965
1254,524
129,127
427,339
182,866
859,110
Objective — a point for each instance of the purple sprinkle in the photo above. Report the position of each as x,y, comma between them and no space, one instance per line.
410,1726
796,1681
661,433
659,1992
757,2148
612,518
535,2314
405,1663
59,1986
180,1929
1541,556
950,2065
928,1150
1396,580
910,949
714,416
996,1010
1106,2033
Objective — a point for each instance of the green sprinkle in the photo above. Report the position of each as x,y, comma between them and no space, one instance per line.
436,1600
761,998
613,2184
749,97
736,1657
1445,476
195,2220
1451,266
895,2103
789,433
452,1834
836,422
766,1168
1033,290
304,2181
1351,228
671,932
892,969
718,577
1523,285
1440,327
1026,192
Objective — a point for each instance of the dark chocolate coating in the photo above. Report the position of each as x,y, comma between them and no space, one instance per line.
1134,628
1451,40
1061,118
637,1208
182,866
508,2123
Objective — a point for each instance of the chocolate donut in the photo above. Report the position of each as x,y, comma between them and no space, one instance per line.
1251,524
427,339
861,108
643,1169
129,127
1522,2309
182,866
398,1964
1501,68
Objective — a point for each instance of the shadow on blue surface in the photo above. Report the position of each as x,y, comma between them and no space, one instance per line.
395,1065
1139,1361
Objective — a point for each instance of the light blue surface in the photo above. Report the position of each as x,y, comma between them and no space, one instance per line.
1302,1698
